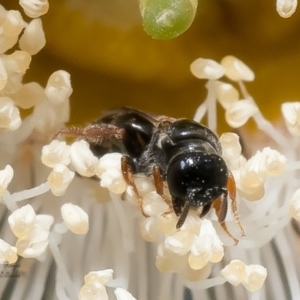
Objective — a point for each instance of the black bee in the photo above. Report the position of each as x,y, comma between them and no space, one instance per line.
183,153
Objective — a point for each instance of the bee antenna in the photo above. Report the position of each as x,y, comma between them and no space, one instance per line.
184,214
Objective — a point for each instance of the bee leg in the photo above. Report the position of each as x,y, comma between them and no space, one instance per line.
185,211
232,194
221,205
128,176
93,133
159,187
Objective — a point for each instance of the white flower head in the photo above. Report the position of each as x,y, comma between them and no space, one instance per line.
22,220
274,161
238,113
59,87
8,253
231,149
234,272
255,277
17,62
35,8
59,179
207,69
286,8
291,115
236,70
101,276
13,23
82,158
33,38
180,242
34,242
93,291
154,204
9,114
226,93
6,176
57,152
75,218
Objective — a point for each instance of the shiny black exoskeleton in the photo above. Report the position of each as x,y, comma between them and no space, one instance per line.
188,154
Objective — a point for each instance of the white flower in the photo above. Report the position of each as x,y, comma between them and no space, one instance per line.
291,115
33,38
8,253
35,8
34,243
93,292
13,23
255,277
236,70
207,69
238,113
59,87
59,179
82,158
6,176
17,62
22,220
9,114
101,276
75,218
286,8
234,272
57,152
226,93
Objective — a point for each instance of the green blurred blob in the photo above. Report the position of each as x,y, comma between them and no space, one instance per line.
167,19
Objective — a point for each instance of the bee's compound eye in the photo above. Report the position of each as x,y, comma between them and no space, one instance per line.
198,176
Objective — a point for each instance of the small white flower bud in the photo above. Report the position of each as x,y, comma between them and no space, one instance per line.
154,204
235,272
291,115
109,161
82,158
286,8
35,8
93,292
9,114
17,62
207,69
122,294
29,95
180,242
34,243
13,23
274,162
236,70
226,93
295,205
6,176
22,220
167,223
231,149
102,276
59,179
75,218
8,253
7,42
239,112
149,230
57,152
255,277
3,75
33,38
59,87
113,180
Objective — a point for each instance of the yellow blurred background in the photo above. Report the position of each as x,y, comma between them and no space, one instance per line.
114,63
